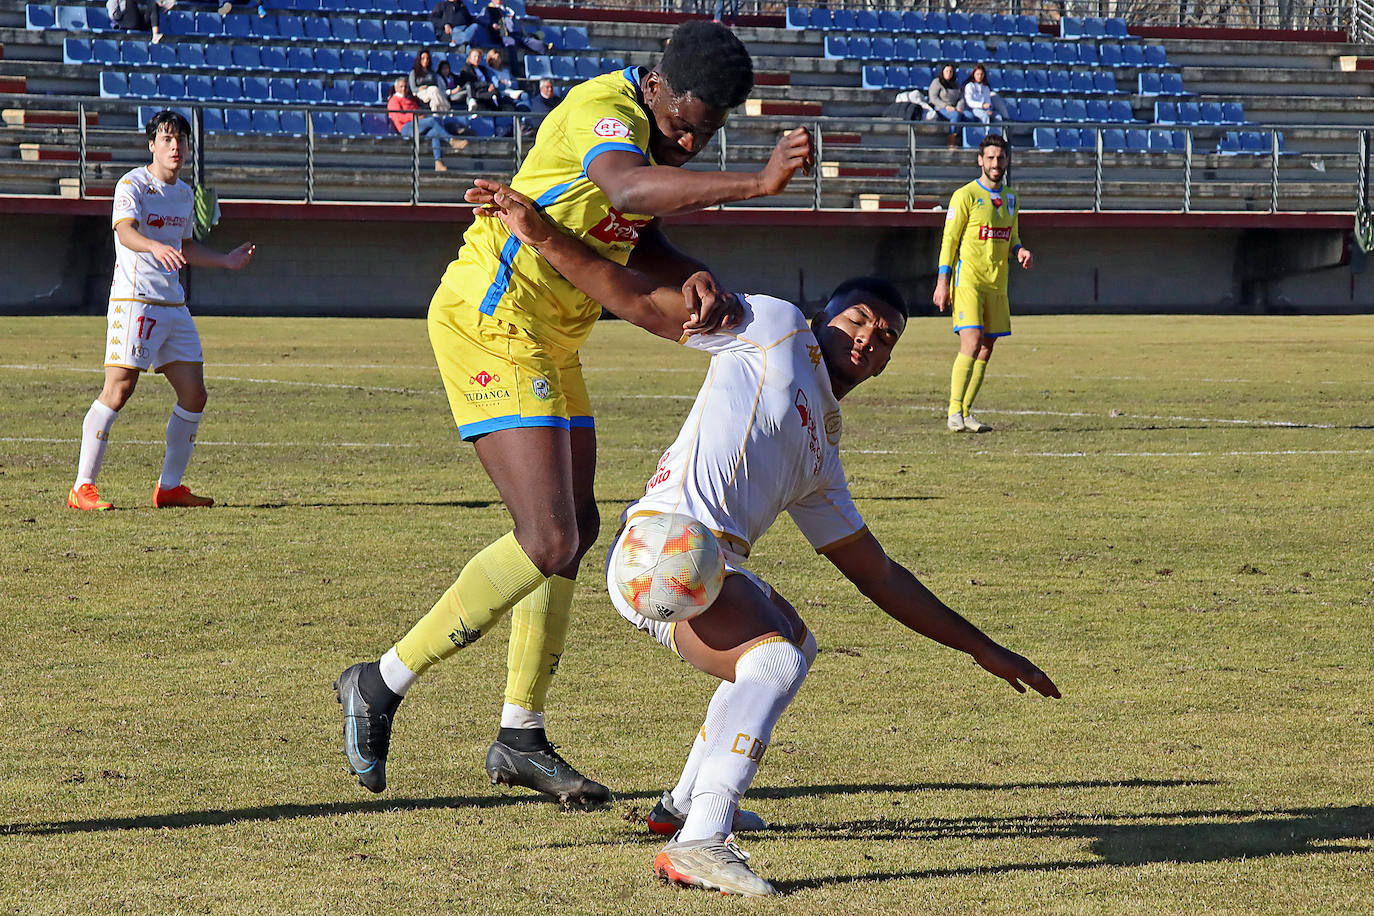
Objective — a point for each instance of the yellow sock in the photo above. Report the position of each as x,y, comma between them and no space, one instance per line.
975,381
492,581
958,381
538,631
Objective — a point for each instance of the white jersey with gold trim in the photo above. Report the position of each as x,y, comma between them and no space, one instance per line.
163,212
762,437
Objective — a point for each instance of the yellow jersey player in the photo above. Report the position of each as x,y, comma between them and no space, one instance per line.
981,232
506,328
771,445
148,326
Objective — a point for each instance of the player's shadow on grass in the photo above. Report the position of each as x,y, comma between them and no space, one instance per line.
223,817
372,504
1182,837
855,788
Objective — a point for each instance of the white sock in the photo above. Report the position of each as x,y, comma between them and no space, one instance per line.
513,716
682,792
398,677
95,436
181,439
767,677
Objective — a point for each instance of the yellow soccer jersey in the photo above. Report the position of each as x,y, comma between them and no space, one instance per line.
980,232
512,282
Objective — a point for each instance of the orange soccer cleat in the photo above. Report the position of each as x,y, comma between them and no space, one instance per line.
179,496
87,498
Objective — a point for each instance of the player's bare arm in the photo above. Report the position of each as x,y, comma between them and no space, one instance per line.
901,595
167,255
635,186
709,306
627,293
197,255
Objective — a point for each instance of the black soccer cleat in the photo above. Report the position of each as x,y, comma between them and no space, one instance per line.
543,770
366,730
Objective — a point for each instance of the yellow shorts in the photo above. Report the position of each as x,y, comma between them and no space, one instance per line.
980,306
500,377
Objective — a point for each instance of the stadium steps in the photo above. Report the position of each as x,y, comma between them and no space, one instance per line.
37,117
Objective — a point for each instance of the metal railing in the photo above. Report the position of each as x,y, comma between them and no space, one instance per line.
902,164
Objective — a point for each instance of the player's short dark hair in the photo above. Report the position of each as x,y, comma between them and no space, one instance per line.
996,140
175,121
707,60
876,287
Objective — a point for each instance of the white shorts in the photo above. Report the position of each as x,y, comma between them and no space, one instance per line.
143,336
662,630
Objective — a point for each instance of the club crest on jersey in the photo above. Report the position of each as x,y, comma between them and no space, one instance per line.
124,202
611,127
833,425
540,387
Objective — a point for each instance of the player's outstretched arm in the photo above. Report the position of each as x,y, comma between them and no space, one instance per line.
627,293
709,306
635,186
901,595
197,255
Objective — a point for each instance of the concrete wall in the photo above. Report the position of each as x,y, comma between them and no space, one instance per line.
62,264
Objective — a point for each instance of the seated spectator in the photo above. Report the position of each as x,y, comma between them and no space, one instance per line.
546,99
496,27
455,91
138,15
424,83
509,95
947,98
453,22
910,106
473,77
402,107
980,101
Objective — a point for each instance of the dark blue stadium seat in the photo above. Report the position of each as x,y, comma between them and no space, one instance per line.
1042,52
1155,56
396,31
914,21
370,31
1059,81
1098,112
858,47
844,20
1209,113
1121,111
174,23
353,60
575,38
1132,56
612,64
1003,24
1166,113
237,26
890,21
1149,84
1027,25
899,78
563,68
1189,113
293,123
339,92
133,53
975,50
972,136
300,57
322,122
209,24
905,49
71,18
1114,139
404,59
928,49
113,84
537,67
797,18
1052,109
310,91
981,24
366,92
960,23
170,86
1013,109
228,88
1087,54
142,85
255,89
873,76
1116,28
1104,82
39,16
421,33
345,28
289,26
1044,138
1029,110
836,47
1137,139
76,51
274,58
1109,54
266,121
1013,79
317,28
380,61
1038,81
104,51
1233,113
880,48
190,54
866,21
213,119
1068,138
1161,141
1065,52
1229,143
264,26
246,56
588,67
1075,110
376,124
1081,82
219,56
281,89
199,86
1094,27
1070,27
349,123
1172,84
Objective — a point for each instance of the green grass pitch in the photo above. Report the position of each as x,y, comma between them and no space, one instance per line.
1172,517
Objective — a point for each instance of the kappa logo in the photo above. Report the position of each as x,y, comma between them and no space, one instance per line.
483,378
611,127
814,351
117,325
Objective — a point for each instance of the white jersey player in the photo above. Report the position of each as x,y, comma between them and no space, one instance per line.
762,438
148,325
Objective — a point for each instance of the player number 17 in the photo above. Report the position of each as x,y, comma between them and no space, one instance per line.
145,331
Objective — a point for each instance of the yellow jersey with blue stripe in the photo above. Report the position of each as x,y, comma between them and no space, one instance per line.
498,275
981,232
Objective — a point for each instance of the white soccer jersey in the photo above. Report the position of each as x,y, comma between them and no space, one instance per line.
762,437
163,212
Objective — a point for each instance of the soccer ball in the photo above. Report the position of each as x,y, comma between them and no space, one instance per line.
668,567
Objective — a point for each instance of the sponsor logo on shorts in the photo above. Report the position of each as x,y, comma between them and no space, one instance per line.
141,351
483,378
540,386
611,127
994,232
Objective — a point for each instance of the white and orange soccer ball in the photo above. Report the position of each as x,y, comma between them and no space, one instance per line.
668,567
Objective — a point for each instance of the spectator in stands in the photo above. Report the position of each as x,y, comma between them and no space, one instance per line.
546,99
496,27
910,105
725,11
402,104
423,81
138,15
947,98
453,22
980,101
473,77
455,91
509,95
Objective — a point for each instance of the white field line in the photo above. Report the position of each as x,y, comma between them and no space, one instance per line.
230,442
1227,454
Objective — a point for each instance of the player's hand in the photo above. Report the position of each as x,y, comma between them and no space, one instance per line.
709,308
941,297
1023,257
1015,669
170,258
518,212
240,256
794,151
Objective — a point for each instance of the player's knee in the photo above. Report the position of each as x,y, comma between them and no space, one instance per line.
588,526
116,394
193,401
551,547
776,666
